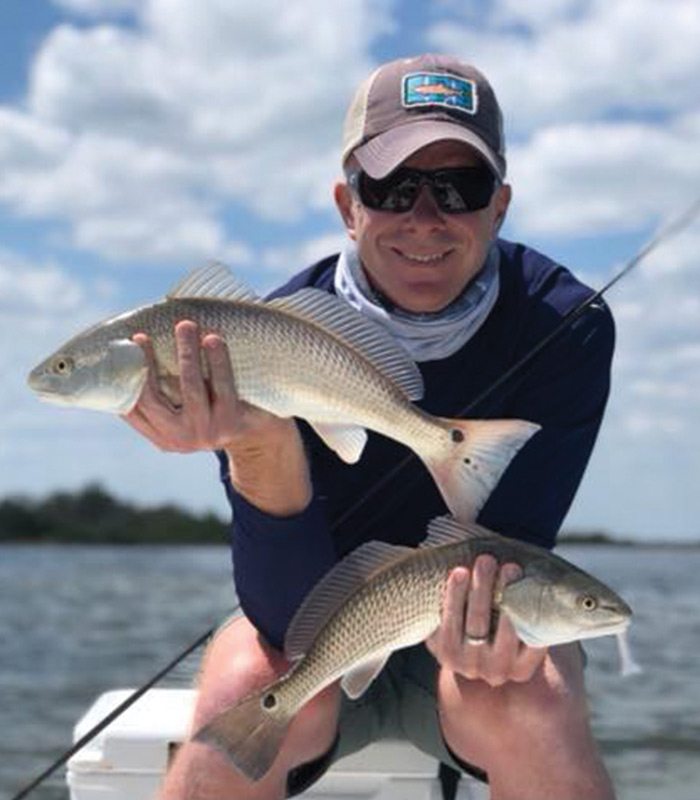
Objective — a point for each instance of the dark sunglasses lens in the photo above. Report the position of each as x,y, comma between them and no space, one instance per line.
396,193
464,189
456,191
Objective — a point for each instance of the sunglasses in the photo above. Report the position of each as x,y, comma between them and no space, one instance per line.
457,190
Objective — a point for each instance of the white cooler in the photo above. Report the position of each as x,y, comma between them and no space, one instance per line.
128,759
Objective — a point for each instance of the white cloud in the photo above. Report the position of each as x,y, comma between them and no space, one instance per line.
601,104
535,16
127,131
657,363
583,59
280,263
146,136
26,290
678,255
589,178
41,305
29,143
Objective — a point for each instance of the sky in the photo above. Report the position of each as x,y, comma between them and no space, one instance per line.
141,138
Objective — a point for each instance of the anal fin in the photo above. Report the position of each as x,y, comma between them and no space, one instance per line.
356,682
347,441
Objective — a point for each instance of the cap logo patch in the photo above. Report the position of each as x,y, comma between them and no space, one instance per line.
439,89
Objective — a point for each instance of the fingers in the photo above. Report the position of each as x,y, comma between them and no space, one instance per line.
195,396
478,616
464,642
190,425
223,385
447,642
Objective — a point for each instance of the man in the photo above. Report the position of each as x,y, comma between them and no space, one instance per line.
422,201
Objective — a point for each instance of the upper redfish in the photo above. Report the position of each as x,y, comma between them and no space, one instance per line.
309,355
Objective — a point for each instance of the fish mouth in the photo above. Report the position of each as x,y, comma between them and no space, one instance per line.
52,397
610,629
606,630
35,383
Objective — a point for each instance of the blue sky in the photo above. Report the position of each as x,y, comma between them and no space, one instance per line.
139,138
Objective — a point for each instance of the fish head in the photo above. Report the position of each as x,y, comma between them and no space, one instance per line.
547,610
92,372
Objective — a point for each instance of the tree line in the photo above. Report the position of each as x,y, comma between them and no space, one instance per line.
92,515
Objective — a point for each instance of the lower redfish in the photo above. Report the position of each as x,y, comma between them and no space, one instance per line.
384,597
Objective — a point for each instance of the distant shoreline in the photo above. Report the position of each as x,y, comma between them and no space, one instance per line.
92,516
595,540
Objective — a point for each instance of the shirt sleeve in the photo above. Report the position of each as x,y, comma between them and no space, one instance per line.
565,391
276,560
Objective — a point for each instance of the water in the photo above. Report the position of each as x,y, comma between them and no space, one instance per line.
76,621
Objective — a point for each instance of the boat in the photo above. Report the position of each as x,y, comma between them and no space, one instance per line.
128,759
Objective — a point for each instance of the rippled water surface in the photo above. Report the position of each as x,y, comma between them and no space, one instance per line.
76,621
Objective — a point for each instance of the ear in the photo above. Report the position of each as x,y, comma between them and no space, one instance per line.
345,203
501,202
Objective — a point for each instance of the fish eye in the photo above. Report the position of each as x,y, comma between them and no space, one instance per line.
62,365
588,602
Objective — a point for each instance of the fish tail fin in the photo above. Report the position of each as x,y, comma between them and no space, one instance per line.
473,458
249,734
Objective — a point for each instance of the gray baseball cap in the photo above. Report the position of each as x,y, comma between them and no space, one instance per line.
412,102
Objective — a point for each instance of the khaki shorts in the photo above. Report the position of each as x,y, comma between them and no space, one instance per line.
400,704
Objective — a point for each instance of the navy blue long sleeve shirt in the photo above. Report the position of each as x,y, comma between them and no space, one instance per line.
565,389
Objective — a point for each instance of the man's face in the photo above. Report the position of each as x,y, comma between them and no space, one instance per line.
422,259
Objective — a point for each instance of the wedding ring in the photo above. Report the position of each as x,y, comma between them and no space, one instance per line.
476,640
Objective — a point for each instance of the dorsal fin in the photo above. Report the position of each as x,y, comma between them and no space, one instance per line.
212,281
446,530
334,589
362,334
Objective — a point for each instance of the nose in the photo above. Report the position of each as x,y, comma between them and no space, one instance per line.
425,210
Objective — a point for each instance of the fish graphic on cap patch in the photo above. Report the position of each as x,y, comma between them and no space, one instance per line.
435,88
429,88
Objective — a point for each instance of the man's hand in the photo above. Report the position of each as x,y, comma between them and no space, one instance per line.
462,643
212,417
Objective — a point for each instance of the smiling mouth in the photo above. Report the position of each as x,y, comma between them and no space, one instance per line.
423,258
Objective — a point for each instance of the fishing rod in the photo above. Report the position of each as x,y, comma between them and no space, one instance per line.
673,228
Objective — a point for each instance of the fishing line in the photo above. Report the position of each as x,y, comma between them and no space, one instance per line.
673,228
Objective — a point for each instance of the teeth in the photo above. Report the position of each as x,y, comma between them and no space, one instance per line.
423,259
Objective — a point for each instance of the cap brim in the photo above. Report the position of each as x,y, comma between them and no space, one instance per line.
382,154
